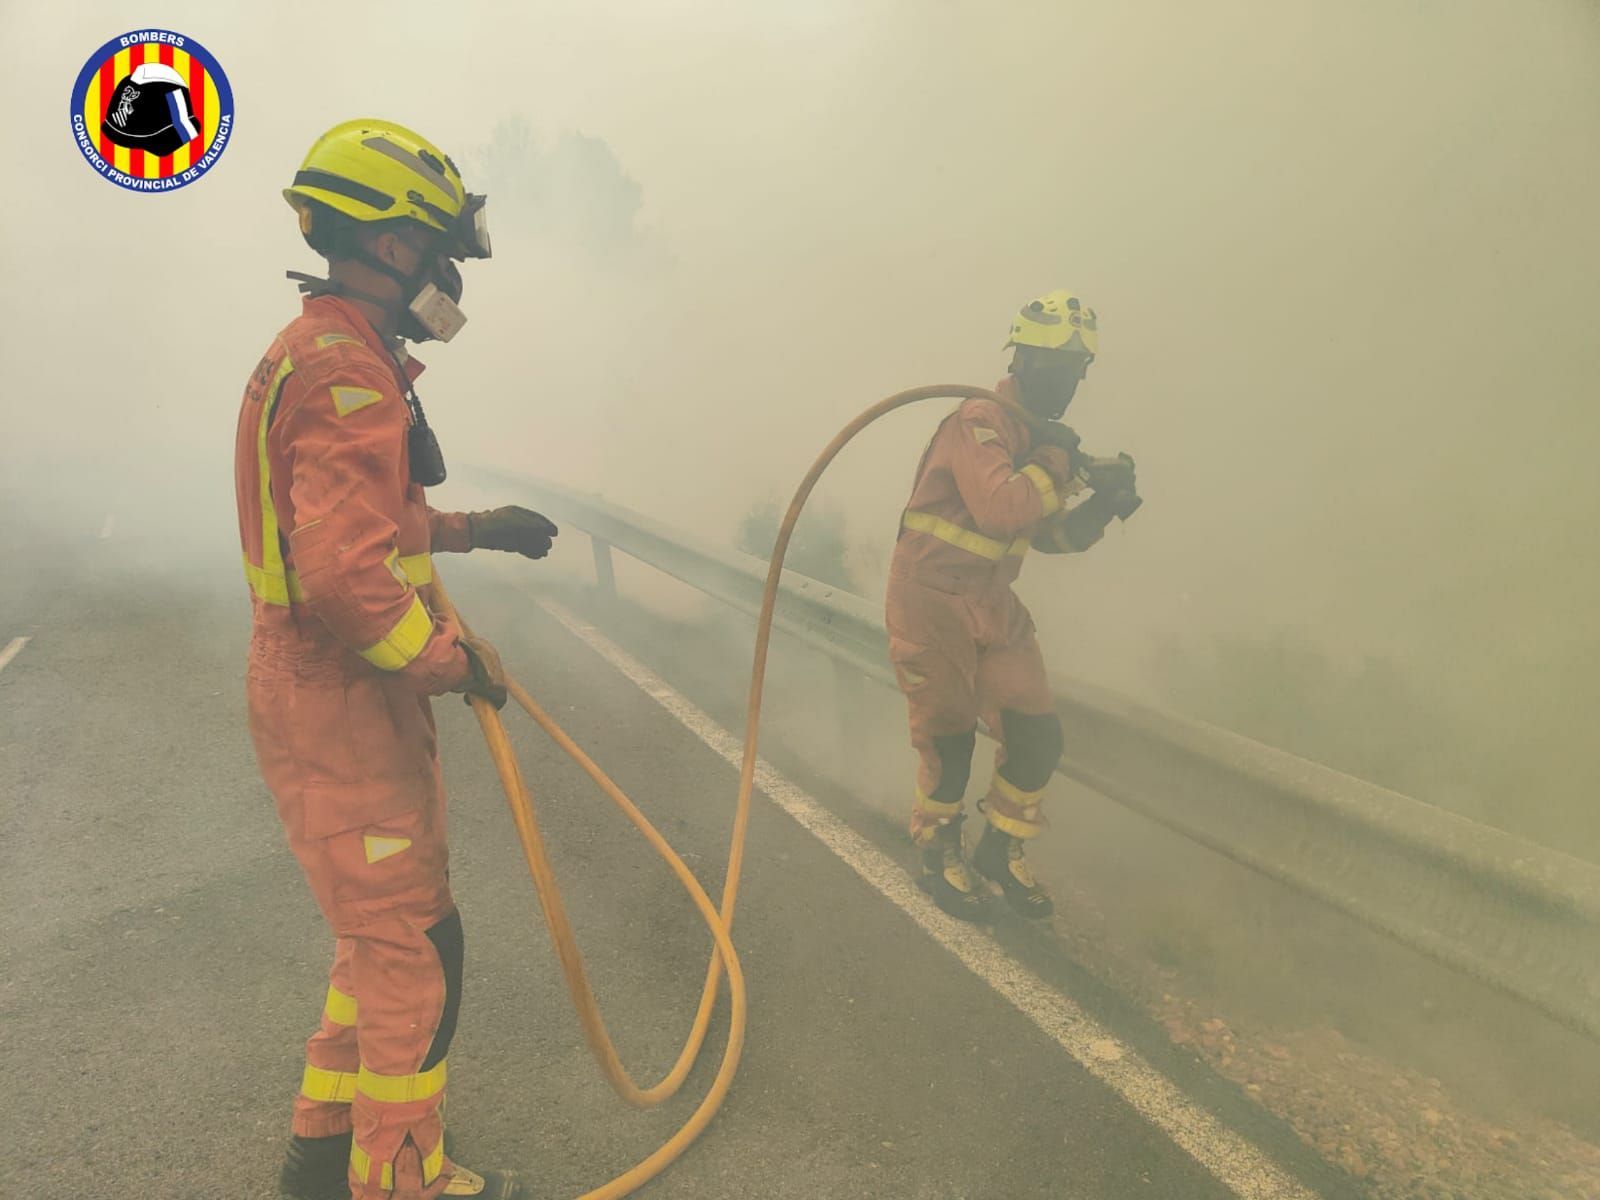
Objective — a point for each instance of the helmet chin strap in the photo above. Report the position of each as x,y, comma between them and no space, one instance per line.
423,312
315,285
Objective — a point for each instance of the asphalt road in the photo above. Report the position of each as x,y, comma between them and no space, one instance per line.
163,962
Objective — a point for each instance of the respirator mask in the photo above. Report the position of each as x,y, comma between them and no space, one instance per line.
433,312
1047,387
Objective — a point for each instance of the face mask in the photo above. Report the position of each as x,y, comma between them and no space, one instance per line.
434,311
1047,391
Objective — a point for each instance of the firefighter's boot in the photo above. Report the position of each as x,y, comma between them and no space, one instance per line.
998,858
945,876
316,1168
484,1185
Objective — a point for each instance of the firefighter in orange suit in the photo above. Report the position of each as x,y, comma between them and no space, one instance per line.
332,455
996,480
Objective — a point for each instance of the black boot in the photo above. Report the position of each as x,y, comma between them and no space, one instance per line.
316,1168
999,858
945,876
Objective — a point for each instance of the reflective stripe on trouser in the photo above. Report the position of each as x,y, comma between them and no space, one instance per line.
1012,810
398,1147
328,1083
959,657
375,860
928,815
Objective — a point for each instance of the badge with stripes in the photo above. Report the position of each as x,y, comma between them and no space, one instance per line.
152,110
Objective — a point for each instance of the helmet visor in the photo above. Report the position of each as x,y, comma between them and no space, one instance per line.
469,232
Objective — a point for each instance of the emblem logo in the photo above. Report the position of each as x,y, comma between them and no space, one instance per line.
152,110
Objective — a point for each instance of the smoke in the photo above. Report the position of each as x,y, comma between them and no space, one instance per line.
1345,258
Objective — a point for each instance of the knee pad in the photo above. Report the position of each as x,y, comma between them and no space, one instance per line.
450,946
955,765
1033,748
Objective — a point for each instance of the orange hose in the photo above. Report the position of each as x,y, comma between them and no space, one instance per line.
719,923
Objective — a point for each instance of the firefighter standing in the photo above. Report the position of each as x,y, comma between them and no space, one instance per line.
995,480
332,456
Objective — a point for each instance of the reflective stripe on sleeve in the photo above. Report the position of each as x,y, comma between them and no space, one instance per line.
417,568
401,1089
405,641
347,400
965,539
1040,478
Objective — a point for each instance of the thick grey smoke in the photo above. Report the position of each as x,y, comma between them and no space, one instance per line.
1346,259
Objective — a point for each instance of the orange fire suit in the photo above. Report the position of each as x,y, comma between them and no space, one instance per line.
962,643
344,654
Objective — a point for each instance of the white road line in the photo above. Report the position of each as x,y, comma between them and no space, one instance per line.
109,527
13,648
1239,1164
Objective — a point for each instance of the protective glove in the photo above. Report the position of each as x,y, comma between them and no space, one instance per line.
1109,474
512,528
1086,524
487,677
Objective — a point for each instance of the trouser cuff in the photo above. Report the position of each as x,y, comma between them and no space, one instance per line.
1012,810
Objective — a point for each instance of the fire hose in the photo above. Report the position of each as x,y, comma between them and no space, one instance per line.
718,919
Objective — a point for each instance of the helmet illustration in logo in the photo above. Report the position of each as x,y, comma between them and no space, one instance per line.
150,110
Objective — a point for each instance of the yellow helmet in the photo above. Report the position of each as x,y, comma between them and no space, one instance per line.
372,170
1055,321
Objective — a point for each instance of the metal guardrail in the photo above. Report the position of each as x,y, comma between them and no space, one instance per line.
1519,917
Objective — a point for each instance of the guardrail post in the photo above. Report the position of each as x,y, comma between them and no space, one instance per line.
849,687
605,576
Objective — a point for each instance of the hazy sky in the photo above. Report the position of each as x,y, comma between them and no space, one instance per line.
1346,258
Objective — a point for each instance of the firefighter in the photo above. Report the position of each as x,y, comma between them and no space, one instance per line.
332,456
995,480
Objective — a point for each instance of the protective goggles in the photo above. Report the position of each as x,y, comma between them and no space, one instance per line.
469,232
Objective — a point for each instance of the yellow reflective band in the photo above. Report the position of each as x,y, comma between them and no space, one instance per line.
433,1164
417,568
936,808
361,1164
1009,824
274,589
965,539
405,641
1015,794
393,563
268,579
339,1008
324,340
1040,478
336,1087
380,848
1026,821
401,1089
347,400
